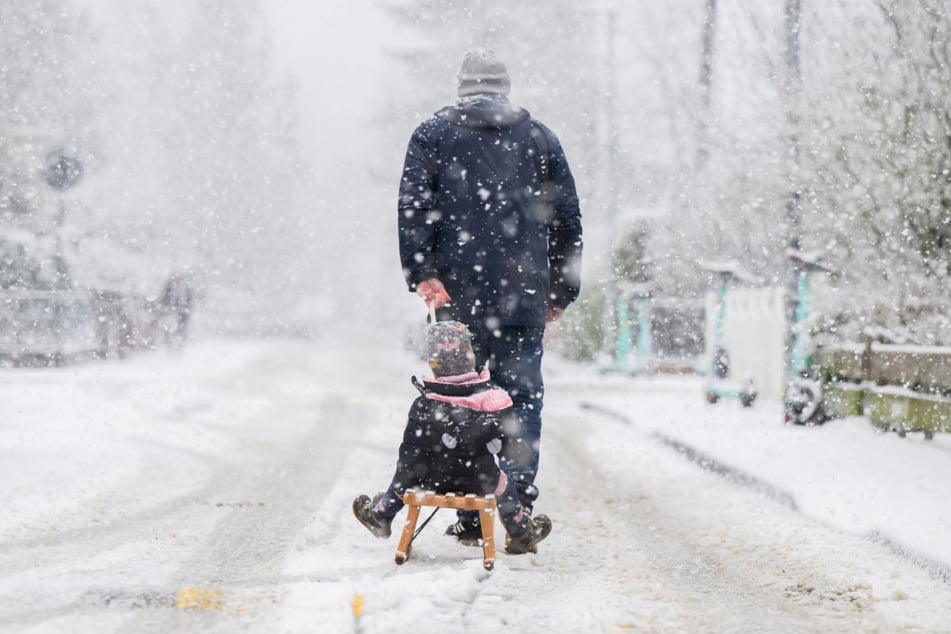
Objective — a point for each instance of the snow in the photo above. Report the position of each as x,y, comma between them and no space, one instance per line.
885,347
221,479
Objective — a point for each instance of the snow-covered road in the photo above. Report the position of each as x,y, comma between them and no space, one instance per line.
211,492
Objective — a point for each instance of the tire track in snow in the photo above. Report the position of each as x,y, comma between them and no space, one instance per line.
224,531
243,556
705,461
690,554
733,474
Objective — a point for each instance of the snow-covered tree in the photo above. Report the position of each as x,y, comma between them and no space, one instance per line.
878,108
187,135
42,110
232,168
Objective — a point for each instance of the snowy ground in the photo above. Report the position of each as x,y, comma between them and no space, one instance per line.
210,492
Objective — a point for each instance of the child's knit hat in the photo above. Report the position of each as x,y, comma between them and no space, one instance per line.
449,349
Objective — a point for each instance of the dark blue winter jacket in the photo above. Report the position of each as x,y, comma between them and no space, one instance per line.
488,206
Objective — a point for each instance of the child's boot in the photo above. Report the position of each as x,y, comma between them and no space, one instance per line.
467,528
368,516
536,529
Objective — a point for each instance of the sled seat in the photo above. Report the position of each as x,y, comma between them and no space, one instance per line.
484,504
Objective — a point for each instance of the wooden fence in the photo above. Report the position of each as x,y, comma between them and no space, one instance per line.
901,388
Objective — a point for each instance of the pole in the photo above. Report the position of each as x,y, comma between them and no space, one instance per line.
706,81
793,216
609,323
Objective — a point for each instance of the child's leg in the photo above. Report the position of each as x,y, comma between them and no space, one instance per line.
390,502
510,509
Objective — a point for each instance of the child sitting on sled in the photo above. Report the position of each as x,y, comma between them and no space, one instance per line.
454,431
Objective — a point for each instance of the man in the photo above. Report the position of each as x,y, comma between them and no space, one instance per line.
490,235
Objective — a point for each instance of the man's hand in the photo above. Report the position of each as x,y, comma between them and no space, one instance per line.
554,313
433,292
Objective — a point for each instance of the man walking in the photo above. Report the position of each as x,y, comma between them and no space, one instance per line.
490,235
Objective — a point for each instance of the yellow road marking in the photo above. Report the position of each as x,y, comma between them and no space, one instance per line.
198,599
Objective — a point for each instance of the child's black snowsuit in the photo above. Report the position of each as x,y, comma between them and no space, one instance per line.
454,431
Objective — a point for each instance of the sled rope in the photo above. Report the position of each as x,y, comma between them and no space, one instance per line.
432,320
423,525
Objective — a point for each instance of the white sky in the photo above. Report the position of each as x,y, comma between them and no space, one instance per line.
336,51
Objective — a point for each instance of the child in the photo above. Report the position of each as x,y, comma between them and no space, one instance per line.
451,440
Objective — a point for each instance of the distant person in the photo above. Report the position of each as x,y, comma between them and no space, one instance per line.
176,301
450,442
490,234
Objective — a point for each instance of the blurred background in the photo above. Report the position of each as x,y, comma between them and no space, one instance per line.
241,158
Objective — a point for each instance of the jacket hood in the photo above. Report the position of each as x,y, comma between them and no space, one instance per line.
483,111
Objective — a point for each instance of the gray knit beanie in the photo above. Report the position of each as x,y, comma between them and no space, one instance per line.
481,73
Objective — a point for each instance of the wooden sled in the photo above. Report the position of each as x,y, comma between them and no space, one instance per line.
485,505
